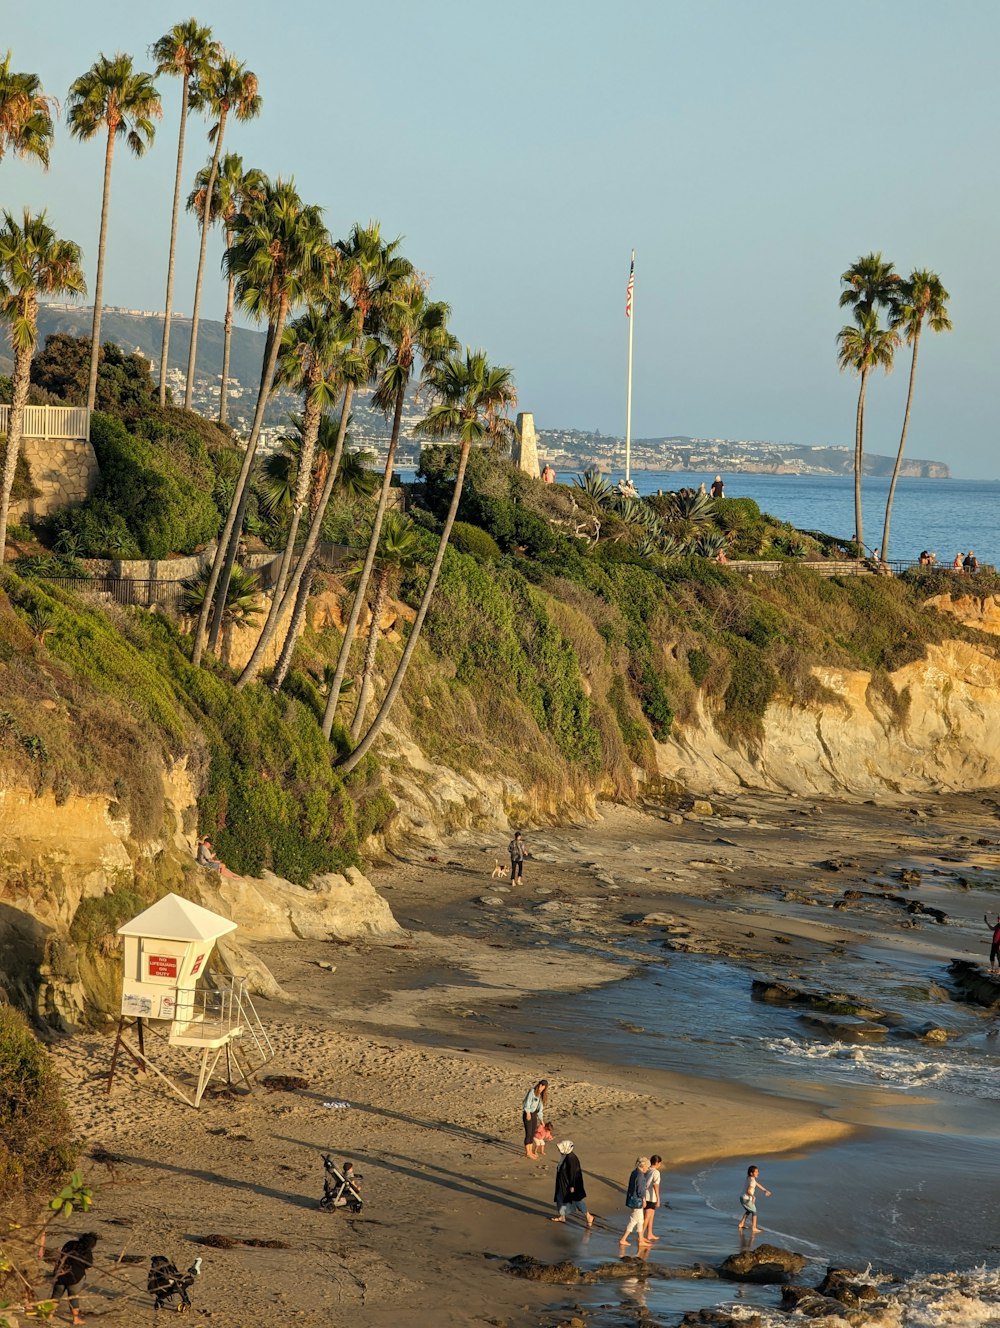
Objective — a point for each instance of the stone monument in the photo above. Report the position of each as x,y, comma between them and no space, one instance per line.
525,450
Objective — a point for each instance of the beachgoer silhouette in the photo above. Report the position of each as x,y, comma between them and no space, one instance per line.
718,489
995,944
75,1260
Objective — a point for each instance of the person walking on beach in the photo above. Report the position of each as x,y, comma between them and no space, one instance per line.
635,1198
517,854
570,1195
533,1114
652,1198
75,1260
995,944
749,1199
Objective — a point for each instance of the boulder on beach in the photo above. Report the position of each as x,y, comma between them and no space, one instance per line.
848,1287
766,1263
971,983
845,1028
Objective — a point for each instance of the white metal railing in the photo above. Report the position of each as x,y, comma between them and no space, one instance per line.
51,421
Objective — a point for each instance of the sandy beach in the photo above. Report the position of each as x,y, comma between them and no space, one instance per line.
416,1053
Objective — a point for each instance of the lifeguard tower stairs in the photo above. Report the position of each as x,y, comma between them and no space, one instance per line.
170,1000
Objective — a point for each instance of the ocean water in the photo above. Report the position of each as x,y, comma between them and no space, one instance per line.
941,516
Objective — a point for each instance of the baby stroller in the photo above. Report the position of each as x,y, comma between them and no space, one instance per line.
165,1282
340,1188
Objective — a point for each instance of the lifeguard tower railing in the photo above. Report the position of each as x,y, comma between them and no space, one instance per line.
212,1015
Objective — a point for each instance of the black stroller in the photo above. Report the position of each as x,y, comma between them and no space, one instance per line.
340,1187
165,1282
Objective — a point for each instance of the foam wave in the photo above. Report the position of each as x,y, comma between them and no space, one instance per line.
889,1065
968,1299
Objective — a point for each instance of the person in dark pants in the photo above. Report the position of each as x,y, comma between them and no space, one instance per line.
532,1114
570,1195
75,1261
995,945
516,850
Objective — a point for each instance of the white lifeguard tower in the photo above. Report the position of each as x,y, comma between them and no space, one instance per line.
168,991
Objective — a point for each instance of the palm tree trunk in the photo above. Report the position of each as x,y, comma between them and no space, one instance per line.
238,503
227,335
205,223
311,415
902,443
359,595
305,559
859,456
294,629
15,429
371,649
102,244
350,761
165,348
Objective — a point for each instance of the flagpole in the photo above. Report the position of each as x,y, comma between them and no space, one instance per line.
628,408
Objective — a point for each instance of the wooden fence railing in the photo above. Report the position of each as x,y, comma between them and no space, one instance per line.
51,421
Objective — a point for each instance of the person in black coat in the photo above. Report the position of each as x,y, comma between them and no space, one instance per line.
570,1195
75,1260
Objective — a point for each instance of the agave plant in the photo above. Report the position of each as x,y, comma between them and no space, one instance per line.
671,546
647,547
789,545
595,487
709,545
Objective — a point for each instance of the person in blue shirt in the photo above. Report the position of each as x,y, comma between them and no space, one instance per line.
532,1114
635,1201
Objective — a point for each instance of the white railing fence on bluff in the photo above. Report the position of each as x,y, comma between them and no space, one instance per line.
51,421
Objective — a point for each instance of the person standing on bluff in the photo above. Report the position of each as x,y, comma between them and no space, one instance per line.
570,1194
517,853
718,489
532,1115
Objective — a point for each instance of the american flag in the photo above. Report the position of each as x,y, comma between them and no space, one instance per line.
629,289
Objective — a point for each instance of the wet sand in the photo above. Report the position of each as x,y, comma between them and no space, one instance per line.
415,1043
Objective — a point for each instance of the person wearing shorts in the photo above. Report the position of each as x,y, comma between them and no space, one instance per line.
995,944
652,1200
635,1198
748,1199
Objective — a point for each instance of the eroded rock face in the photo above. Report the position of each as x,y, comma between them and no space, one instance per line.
945,738
332,906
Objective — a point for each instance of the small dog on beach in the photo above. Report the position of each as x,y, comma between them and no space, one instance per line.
499,870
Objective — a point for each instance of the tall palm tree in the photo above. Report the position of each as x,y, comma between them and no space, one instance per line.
367,269
922,299
861,347
227,87
33,262
398,552
474,399
187,50
312,352
111,95
415,329
26,126
280,253
235,188
869,284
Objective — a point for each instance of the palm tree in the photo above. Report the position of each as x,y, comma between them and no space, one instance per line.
415,328
280,252
33,262
870,283
862,347
398,552
111,95
227,86
312,352
188,50
473,400
26,127
922,297
241,608
235,188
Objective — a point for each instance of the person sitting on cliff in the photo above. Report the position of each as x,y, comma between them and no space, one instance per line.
925,558
206,857
627,489
970,564
958,564
548,474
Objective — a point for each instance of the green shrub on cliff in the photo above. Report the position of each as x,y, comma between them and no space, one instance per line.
36,1140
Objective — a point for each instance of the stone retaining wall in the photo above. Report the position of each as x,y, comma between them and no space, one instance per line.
63,470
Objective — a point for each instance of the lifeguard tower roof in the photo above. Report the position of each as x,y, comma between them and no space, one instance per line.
175,919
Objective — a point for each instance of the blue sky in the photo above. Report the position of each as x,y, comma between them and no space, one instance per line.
748,149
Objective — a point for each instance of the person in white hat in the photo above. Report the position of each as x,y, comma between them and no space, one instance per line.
570,1195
